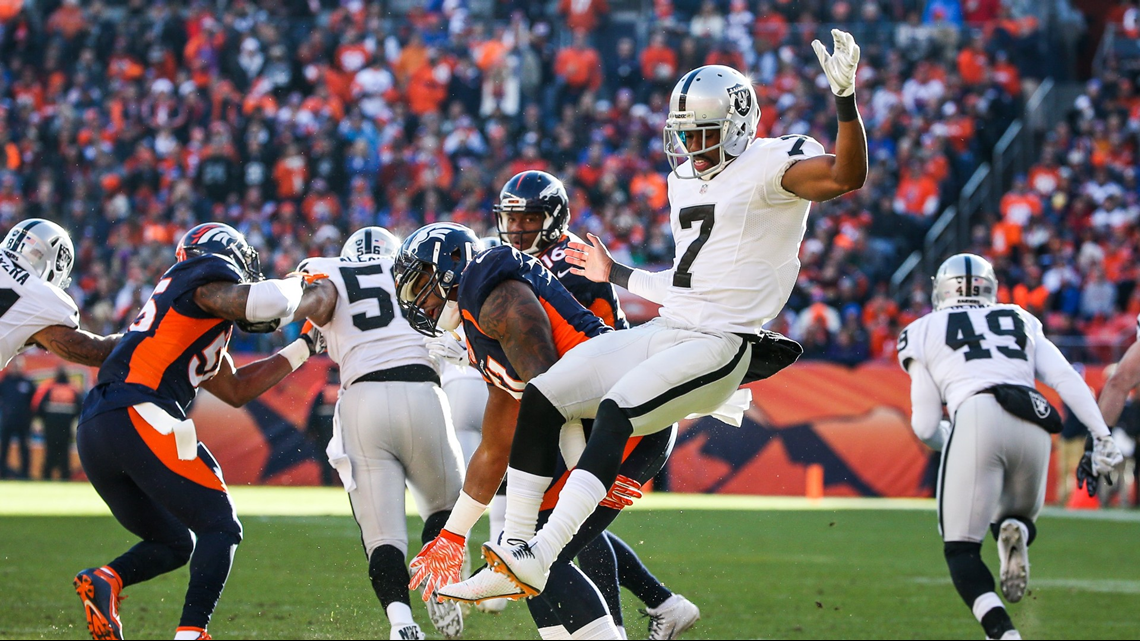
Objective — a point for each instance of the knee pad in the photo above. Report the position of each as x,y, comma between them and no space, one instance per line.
995,528
434,525
389,575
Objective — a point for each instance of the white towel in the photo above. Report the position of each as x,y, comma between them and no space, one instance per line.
338,458
732,411
185,436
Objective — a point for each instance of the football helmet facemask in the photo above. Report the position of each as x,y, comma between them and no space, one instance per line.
707,99
533,192
44,247
964,279
222,240
431,260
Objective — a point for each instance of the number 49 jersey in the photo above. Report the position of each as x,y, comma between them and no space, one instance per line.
27,305
171,348
367,332
970,349
738,239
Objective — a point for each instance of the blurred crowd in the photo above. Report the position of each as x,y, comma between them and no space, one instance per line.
298,121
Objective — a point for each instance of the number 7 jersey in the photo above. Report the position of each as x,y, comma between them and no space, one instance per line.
738,239
367,332
970,349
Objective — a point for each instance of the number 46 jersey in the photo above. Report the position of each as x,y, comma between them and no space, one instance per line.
367,332
738,239
970,349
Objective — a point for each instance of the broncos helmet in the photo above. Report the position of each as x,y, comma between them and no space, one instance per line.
44,247
222,240
534,192
710,98
964,279
439,251
370,242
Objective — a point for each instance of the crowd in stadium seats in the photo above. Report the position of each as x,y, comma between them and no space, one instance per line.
300,121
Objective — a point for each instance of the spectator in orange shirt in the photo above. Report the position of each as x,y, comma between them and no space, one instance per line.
413,56
917,193
320,207
659,63
1006,75
1020,205
291,173
67,20
770,25
427,88
583,15
579,68
1031,294
1045,176
972,62
651,186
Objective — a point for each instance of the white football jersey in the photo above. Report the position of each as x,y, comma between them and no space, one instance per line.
738,239
367,331
970,349
27,305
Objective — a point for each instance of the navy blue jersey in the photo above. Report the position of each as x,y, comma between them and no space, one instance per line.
571,322
600,298
171,347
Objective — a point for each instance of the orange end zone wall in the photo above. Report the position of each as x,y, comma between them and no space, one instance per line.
854,423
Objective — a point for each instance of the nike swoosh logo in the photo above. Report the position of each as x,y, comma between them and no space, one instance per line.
560,274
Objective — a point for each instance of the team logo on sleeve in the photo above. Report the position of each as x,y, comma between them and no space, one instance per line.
1041,406
741,99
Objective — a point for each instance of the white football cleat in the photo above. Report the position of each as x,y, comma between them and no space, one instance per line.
411,631
483,587
1013,550
446,617
494,606
518,563
671,618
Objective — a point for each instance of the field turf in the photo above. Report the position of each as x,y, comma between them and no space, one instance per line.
758,568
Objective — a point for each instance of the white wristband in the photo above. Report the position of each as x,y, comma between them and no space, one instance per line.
464,515
274,298
296,353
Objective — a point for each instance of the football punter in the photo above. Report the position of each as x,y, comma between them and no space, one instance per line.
392,427
36,258
738,210
518,320
981,359
139,450
533,216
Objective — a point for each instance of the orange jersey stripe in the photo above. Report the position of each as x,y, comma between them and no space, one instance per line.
566,336
603,310
166,450
551,495
175,334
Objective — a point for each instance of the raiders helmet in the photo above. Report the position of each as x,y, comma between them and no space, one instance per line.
370,242
222,240
45,248
534,192
964,279
710,98
441,251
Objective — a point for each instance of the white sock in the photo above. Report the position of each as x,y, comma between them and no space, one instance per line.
984,604
498,517
524,499
554,632
194,633
577,501
399,614
602,628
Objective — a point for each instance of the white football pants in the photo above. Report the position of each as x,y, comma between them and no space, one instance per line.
467,397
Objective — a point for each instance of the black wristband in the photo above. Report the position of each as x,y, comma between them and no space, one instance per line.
619,275
845,108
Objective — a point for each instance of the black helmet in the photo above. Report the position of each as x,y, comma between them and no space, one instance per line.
534,192
441,250
221,240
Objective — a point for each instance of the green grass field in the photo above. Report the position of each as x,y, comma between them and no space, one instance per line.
758,568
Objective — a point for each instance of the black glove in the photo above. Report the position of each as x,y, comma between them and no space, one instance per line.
313,337
1085,476
263,327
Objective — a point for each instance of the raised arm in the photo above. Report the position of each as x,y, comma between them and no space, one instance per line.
76,345
594,262
826,177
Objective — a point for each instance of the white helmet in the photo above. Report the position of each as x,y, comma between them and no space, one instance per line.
45,248
370,242
712,97
964,279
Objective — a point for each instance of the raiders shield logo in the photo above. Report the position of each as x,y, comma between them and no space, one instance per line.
741,99
1040,405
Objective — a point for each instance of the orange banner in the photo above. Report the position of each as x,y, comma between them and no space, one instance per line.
853,423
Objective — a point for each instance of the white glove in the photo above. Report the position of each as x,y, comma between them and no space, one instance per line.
1105,456
840,67
447,347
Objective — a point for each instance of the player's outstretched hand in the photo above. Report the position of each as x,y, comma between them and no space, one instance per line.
439,563
592,261
622,494
1105,457
840,66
